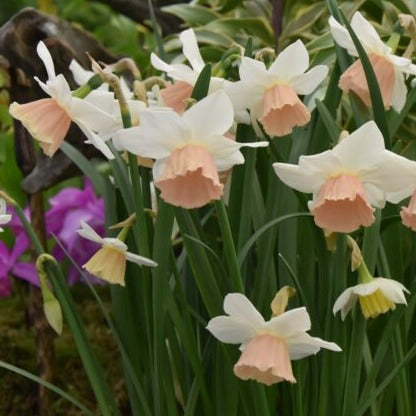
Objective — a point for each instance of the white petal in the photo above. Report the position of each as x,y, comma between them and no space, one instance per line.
392,289
363,149
254,72
89,233
341,36
191,50
245,95
298,178
176,71
46,57
159,168
239,307
345,302
140,260
292,61
289,323
159,133
402,64
395,175
368,36
92,117
104,100
81,75
303,345
365,289
212,116
230,330
307,83
376,196
97,142
398,98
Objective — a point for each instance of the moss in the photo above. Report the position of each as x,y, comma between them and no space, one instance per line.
17,346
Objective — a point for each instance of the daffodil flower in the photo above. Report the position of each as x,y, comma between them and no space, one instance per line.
48,119
376,295
189,150
267,346
271,94
174,95
109,262
389,68
4,218
408,214
349,180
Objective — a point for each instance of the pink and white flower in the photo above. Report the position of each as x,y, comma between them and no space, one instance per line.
48,119
175,95
189,150
271,94
267,346
349,180
389,68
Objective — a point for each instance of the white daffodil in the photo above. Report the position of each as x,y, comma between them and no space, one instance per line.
109,262
48,120
348,180
189,150
267,346
378,295
4,218
271,94
174,95
389,68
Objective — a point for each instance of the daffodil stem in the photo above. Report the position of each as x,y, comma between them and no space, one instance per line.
229,248
93,83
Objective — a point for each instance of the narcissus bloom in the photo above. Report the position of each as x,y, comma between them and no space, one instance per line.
109,262
349,180
378,295
388,68
4,217
267,346
271,94
174,95
408,213
48,119
189,150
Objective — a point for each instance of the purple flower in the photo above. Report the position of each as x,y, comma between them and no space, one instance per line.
68,208
9,265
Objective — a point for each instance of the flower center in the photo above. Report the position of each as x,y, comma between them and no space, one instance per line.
374,304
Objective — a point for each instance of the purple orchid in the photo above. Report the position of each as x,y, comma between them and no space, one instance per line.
67,209
9,265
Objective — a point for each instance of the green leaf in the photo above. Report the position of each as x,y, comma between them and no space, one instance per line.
193,14
202,84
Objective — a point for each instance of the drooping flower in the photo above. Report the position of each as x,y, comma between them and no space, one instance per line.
376,295
349,180
267,346
189,150
408,213
271,94
48,119
109,262
4,217
174,95
388,68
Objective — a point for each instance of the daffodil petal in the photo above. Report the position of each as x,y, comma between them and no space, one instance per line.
303,345
307,83
239,307
292,61
289,323
89,233
398,97
230,330
191,50
46,58
342,37
140,260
